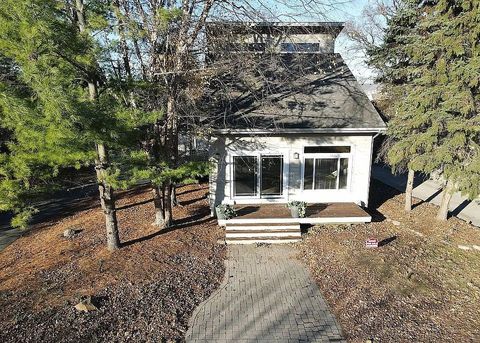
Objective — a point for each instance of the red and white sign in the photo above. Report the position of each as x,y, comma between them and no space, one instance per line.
371,243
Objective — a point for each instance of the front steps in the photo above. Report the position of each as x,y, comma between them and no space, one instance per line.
262,233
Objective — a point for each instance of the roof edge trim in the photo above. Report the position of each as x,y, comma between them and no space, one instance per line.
319,130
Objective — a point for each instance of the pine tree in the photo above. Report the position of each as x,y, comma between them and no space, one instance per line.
71,107
391,59
436,124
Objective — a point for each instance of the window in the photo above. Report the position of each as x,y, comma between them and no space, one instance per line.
326,167
300,47
326,149
241,47
255,47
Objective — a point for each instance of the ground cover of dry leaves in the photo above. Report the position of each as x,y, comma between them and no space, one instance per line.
418,287
145,292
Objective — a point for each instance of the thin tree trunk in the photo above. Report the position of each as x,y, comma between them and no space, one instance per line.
409,190
167,193
123,43
136,47
174,196
172,134
107,199
442,213
159,210
107,196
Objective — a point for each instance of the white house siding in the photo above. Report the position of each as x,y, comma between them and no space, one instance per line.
359,173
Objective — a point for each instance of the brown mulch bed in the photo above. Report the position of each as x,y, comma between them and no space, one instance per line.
146,291
418,287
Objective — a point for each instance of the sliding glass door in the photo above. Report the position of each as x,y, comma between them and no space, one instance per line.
271,176
258,176
245,172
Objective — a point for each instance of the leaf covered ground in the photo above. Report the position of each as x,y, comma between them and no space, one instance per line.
418,287
146,291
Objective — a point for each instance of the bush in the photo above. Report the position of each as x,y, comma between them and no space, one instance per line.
301,206
226,211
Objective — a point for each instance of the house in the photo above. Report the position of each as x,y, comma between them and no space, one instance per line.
294,125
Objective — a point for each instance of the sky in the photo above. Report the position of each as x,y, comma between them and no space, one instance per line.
355,60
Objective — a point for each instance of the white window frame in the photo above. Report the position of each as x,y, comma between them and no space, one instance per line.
258,155
337,156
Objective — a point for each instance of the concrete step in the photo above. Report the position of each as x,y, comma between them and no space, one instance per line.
259,234
257,227
239,233
264,239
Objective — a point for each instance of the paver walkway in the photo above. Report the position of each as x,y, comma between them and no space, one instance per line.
267,296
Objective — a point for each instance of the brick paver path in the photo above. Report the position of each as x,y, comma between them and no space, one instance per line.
267,296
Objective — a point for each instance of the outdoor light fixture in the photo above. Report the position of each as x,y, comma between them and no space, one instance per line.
296,155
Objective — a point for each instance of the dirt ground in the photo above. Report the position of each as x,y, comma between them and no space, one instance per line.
145,292
420,286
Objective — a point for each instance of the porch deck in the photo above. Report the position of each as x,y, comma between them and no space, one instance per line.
331,213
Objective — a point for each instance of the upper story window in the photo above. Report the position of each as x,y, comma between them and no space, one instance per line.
255,47
300,47
242,47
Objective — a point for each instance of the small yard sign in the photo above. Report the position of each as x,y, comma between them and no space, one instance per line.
371,243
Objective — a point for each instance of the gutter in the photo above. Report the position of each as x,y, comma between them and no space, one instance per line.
376,130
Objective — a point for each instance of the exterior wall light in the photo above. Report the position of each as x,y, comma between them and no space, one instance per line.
296,155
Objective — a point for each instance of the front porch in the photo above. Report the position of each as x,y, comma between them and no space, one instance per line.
273,223
331,213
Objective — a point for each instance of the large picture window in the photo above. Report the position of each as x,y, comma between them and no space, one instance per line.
328,170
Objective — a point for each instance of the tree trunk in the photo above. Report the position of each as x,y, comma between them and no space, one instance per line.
172,132
174,196
107,199
167,195
159,210
409,190
123,43
446,197
107,196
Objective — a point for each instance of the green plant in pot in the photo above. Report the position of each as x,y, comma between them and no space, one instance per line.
225,212
297,208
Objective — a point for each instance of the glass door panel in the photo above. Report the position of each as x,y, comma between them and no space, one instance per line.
245,171
271,181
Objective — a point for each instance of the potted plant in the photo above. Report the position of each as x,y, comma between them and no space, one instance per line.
297,208
225,212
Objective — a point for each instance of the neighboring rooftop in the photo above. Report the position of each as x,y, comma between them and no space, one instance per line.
270,92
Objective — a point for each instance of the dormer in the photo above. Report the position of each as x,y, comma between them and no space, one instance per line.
274,37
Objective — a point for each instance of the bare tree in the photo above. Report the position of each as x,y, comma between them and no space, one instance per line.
167,48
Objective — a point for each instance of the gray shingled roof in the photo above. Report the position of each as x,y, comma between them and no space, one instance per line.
292,91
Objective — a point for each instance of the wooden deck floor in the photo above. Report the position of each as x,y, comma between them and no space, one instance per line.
313,210
316,213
